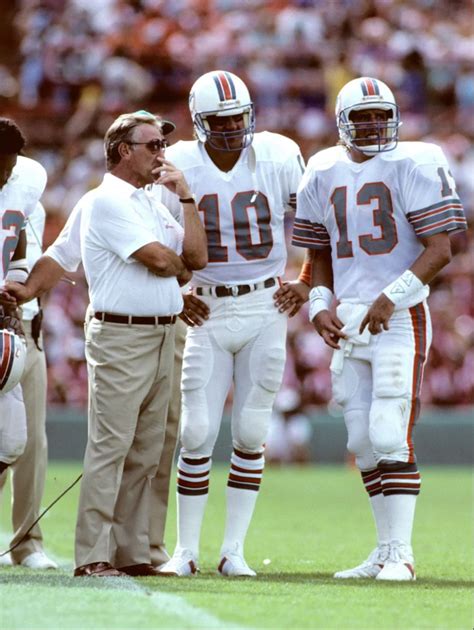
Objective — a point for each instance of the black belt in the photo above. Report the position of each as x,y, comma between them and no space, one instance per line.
134,319
236,290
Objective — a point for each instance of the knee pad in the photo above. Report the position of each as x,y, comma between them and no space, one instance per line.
391,405
197,367
358,440
253,420
12,425
388,428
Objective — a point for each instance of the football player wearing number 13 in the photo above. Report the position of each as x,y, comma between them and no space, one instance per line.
377,215
242,183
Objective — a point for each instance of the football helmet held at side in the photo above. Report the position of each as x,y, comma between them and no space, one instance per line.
12,359
221,93
362,94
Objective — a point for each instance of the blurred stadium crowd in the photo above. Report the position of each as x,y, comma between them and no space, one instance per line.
69,67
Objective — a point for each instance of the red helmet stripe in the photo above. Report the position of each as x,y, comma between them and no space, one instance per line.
5,341
370,87
225,85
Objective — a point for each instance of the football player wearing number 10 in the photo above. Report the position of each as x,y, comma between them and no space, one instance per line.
378,214
242,184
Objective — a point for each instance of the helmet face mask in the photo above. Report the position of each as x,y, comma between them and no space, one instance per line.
222,94
375,134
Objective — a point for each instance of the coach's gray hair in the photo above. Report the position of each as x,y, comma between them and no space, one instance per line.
120,131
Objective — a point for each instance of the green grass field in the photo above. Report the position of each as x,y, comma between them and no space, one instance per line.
309,523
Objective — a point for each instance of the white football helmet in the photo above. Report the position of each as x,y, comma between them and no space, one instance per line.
12,359
221,93
366,93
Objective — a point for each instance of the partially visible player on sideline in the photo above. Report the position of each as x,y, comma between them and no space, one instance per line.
378,215
22,181
29,471
243,182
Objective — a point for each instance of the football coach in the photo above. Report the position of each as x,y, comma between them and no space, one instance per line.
135,256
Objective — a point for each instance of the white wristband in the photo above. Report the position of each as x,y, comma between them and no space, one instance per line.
320,299
17,271
403,287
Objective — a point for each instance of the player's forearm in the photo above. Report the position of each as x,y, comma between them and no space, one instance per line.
195,242
45,274
435,256
321,272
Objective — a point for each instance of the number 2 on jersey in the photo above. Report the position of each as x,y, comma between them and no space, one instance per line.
217,252
382,218
10,219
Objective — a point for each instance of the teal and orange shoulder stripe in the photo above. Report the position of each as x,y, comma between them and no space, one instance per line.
309,234
444,216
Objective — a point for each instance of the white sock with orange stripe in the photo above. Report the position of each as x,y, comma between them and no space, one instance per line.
245,475
192,494
372,482
400,486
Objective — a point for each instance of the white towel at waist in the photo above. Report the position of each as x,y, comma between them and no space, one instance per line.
351,315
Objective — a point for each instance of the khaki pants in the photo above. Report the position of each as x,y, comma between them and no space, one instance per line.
160,484
130,374
29,471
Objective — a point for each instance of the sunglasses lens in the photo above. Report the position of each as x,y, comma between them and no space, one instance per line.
157,145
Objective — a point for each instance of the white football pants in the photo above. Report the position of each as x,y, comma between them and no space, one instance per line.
242,342
12,425
379,389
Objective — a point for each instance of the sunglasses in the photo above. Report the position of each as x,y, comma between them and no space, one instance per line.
154,146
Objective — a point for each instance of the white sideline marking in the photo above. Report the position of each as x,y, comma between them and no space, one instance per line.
163,602
174,605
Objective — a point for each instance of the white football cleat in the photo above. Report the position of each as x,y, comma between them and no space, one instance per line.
370,568
400,566
182,564
38,560
6,560
232,564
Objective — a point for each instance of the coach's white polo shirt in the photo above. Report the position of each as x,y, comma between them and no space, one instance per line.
116,220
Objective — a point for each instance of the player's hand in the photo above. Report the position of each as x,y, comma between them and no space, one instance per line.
378,315
6,299
19,292
184,277
329,327
168,175
291,296
195,311
10,319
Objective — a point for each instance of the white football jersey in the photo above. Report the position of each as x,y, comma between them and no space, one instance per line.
373,214
242,210
18,199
